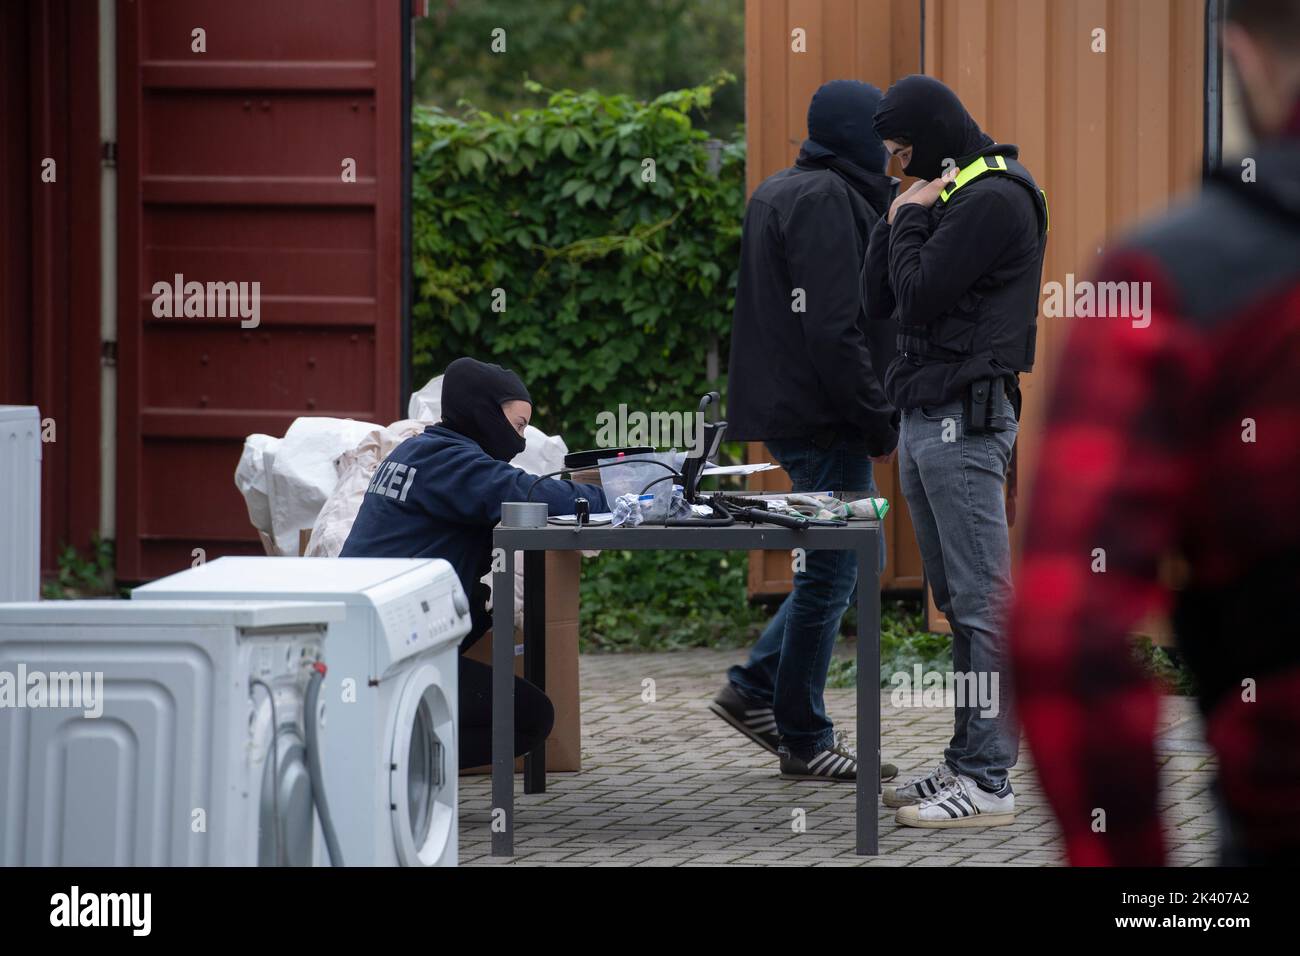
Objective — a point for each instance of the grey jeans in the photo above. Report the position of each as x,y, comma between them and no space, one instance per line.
954,484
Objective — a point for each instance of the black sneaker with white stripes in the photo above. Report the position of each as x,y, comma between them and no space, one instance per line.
755,721
837,762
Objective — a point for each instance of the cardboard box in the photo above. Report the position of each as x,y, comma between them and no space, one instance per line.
564,746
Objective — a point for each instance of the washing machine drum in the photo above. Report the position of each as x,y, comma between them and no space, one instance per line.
285,818
422,779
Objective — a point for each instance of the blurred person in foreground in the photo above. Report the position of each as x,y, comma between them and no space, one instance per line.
1180,435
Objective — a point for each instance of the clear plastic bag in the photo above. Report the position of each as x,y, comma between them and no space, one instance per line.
632,474
627,511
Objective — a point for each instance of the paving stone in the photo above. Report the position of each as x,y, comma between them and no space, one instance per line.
668,784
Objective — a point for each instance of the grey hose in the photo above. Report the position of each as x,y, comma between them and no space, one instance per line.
275,771
314,769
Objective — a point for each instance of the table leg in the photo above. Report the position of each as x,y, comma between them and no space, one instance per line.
535,656
503,703
868,692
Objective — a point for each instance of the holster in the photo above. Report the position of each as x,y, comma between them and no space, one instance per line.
984,406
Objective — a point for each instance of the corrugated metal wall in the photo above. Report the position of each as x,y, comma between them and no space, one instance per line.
871,40
230,165
50,262
1112,136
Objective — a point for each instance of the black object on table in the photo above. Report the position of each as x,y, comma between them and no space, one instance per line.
858,536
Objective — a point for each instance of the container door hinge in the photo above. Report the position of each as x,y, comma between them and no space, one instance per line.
108,153
108,353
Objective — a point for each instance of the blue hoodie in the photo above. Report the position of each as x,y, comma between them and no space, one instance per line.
439,495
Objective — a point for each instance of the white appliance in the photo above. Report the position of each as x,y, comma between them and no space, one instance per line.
136,734
20,503
389,720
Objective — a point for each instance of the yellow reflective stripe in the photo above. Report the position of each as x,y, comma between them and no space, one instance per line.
973,171
1047,215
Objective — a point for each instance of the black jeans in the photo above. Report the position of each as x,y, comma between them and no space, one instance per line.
534,715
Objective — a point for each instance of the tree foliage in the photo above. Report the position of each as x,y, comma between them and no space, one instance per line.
590,244
638,47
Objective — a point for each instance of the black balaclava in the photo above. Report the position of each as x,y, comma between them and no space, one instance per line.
472,395
928,115
839,120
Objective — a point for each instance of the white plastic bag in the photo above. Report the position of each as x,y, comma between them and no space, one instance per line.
355,467
254,481
303,474
426,404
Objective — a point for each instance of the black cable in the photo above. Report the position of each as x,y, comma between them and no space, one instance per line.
657,480
275,769
608,464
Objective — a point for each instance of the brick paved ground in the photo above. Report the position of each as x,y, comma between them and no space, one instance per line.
669,784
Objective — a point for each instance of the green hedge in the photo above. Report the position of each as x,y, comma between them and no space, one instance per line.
614,287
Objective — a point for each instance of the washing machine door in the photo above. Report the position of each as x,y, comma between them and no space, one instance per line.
422,774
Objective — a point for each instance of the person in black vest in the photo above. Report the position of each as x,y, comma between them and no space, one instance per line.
802,380
955,269
438,495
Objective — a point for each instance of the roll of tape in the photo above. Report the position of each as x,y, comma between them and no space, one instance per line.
523,514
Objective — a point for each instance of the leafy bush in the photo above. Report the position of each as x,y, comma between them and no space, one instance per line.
83,577
615,283
904,641
666,600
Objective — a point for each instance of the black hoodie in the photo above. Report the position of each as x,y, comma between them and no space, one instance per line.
439,493
800,363
925,113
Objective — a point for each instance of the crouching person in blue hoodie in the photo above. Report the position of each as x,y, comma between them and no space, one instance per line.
439,495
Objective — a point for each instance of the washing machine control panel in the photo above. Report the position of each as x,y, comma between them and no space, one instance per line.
424,618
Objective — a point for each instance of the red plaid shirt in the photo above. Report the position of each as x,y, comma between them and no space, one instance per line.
1148,451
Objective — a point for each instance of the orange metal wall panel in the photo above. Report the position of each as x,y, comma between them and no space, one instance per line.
1112,136
871,40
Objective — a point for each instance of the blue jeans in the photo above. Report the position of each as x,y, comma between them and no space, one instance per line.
954,484
787,667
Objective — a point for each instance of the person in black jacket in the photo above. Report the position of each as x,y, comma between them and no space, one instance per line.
954,269
801,379
438,495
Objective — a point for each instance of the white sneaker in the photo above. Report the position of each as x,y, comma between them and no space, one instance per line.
919,788
962,804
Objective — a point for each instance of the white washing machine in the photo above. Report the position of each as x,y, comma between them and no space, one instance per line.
390,697
156,735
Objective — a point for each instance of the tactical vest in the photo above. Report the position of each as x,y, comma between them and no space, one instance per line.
956,335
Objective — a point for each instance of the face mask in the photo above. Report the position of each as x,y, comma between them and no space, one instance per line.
925,113
472,395
839,119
